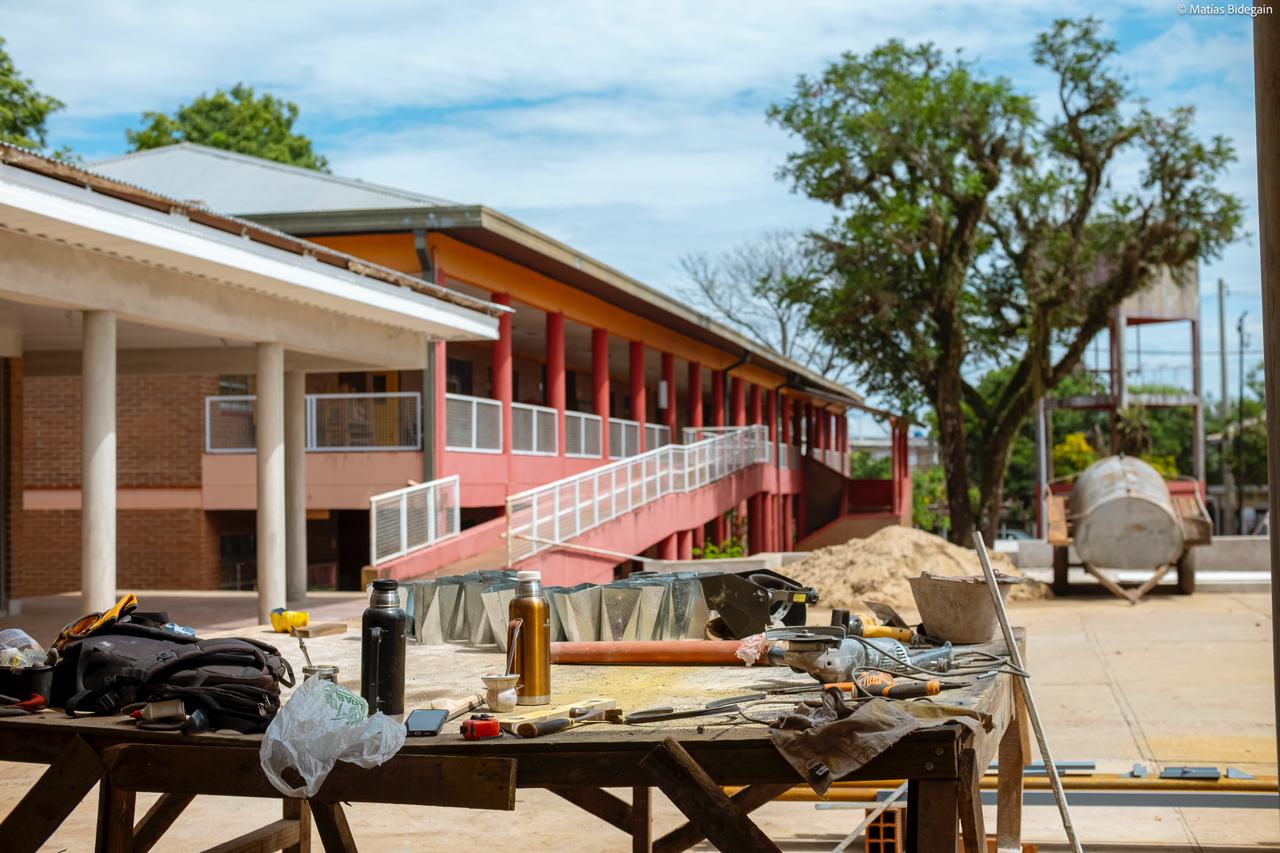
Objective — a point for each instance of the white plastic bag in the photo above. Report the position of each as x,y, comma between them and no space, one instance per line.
322,723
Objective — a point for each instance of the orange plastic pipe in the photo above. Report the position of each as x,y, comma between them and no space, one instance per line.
687,652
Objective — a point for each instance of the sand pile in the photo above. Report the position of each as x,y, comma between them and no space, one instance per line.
877,568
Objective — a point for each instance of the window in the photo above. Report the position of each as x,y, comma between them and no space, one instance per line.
458,376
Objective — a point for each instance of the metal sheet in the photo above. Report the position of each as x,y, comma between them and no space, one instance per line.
619,603
580,612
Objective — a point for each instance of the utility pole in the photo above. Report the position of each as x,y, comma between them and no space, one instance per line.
1240,425
1228,486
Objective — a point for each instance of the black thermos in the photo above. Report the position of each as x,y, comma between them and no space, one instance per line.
382,650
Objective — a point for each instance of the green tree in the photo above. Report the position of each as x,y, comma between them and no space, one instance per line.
238,120
1073,454
863,466
23,109
967,229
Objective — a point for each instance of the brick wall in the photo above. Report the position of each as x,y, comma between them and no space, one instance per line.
159,443
159,438
155,549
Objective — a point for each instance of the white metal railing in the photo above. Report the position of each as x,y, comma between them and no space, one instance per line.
409,519
656,435
335,422
533,430
624,438
581,435
472,424
784,456
558,512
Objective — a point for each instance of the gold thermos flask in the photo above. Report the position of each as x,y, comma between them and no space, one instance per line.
532,659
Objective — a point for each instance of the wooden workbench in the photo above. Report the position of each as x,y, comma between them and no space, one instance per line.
944,766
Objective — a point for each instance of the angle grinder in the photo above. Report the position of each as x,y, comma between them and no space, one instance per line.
832,655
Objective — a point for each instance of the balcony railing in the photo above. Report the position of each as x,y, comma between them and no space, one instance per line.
624,438
581,435
544,517
656,435
409,519
472,424
533,430
335,422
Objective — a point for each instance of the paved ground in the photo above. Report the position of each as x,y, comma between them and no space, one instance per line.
1173,681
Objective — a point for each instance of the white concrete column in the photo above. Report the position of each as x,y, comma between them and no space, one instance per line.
295,486
98,463
271,516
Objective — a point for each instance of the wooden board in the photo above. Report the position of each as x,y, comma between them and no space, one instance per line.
1058,531
321,629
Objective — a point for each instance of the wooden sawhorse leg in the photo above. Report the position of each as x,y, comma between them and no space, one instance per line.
702,801
52,798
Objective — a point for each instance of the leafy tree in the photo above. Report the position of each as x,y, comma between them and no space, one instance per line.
238,121
23,109
752,287
1073,454
967,230
863,466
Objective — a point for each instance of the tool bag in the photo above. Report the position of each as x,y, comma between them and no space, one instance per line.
236,681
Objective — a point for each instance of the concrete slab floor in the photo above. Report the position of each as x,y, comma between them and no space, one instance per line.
1116,684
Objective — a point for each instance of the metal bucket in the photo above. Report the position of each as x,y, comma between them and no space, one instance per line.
958,609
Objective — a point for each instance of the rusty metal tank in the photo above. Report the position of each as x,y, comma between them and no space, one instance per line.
1124,517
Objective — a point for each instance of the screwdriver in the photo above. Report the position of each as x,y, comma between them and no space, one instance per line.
877,683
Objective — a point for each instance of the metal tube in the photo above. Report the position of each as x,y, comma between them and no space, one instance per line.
1015,657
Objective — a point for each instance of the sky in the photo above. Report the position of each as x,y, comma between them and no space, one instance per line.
634,132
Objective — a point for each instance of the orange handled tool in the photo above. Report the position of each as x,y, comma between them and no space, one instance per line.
876,683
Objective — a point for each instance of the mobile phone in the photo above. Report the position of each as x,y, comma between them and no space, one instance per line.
425,722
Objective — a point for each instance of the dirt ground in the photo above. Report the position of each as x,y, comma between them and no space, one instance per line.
1115,684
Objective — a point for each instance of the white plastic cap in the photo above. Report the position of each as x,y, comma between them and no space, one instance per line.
528,576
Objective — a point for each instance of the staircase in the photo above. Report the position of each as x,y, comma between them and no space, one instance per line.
577,529
838,508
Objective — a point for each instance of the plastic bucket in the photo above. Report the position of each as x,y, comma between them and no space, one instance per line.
958,609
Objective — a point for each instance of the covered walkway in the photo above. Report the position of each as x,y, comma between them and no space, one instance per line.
99,278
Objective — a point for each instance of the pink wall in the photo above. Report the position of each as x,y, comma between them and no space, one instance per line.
334,480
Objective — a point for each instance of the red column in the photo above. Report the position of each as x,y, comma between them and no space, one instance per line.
439,355
684,545
717,398
719,529
555,374
502,370
669,377
739,401
637,390
600,385
786,420
700,537
757,414
667,548
695,394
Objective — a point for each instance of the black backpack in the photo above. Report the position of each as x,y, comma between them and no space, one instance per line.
235,681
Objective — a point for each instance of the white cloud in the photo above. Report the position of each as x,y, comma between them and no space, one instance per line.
633,131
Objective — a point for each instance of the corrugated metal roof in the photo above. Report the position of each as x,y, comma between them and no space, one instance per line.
241,184
28,160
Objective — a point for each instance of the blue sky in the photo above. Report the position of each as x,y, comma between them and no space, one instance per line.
634,132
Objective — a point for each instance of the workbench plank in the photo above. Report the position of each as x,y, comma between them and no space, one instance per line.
700,799
478,783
